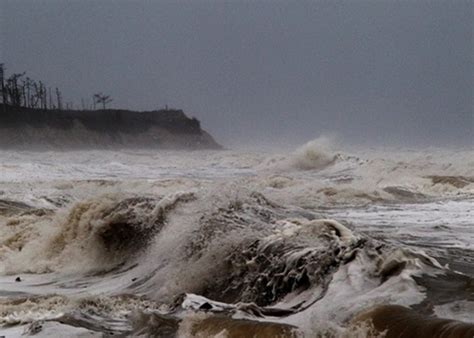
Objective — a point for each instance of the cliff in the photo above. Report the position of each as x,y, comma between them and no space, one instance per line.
25,128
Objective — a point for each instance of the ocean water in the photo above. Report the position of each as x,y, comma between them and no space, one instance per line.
319,241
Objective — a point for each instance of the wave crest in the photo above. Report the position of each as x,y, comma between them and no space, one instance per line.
314,155
96,234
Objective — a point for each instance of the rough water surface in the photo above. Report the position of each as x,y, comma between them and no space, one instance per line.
315,242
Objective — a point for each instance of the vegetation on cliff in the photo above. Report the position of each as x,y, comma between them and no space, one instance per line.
31,116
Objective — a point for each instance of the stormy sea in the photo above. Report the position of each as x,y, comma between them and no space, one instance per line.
320,241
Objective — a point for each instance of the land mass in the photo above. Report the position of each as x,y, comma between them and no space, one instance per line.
28,128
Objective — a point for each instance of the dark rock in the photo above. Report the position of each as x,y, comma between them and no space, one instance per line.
205,306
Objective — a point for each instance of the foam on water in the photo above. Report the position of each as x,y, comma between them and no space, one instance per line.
225,242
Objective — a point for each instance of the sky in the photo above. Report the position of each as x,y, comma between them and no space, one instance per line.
274,72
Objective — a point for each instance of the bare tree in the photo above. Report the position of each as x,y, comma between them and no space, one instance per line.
14,90
20,91
44,96
102,99
59,99
27,92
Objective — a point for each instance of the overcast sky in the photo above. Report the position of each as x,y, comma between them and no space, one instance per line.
261,71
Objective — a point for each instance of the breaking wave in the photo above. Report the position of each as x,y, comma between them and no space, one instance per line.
316,154
99,233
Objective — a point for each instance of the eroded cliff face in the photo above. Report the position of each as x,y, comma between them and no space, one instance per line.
25,128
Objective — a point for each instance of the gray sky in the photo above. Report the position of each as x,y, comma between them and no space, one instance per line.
261,71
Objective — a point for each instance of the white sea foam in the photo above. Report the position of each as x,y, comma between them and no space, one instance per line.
328,231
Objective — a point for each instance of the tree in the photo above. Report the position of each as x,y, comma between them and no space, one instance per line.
14,90
59,99
103,99
27,85
20,91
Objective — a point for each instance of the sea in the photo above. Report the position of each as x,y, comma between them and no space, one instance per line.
324,240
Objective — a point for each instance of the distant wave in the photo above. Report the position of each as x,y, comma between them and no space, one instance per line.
316,154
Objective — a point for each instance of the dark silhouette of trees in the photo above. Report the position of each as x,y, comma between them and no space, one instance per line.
41,96
20,91
14,89
102,99
59,99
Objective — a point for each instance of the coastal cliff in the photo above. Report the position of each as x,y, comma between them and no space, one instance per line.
27,128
